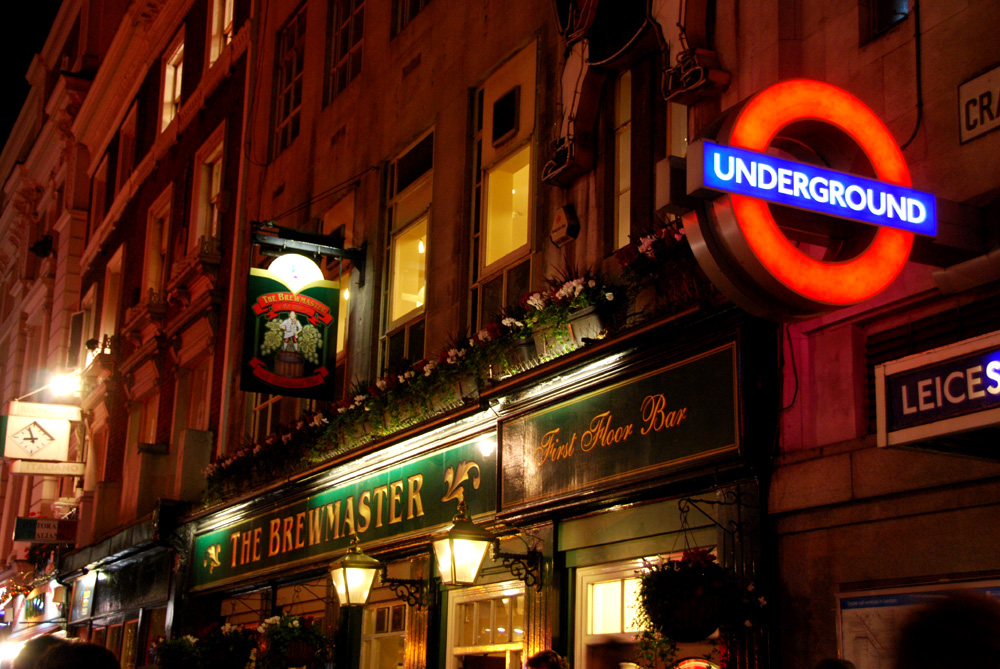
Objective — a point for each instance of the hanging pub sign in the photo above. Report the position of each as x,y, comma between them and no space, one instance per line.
35,431
290,329
946,399
404,499
671,418
808,202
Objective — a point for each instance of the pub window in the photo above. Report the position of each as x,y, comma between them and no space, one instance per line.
409,186
291,52
607,607
347,28
487,627
502,197
383,640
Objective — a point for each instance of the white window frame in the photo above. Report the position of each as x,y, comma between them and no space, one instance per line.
369,660
585,578
220,28
210,165
172,77
479,593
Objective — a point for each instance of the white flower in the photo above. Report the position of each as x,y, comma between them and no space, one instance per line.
609,296
190,639
592,284
295,622
646,246
381,384
341,409
536,301
358,399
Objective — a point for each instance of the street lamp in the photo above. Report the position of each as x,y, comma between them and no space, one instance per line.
353,575
461,549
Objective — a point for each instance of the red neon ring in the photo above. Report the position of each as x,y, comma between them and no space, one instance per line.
839,283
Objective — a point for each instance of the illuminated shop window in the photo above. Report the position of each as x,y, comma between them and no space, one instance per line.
623,159
607,606
173,71
383,641
288,82
220,28
347,30
487,622
613,606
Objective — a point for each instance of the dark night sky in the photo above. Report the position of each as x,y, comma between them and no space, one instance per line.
22,34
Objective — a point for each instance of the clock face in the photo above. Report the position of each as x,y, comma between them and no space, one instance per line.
32,438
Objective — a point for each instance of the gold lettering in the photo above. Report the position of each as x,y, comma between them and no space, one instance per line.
333,520
380,493
656,418
245,547
256,543
300,518
349,516
395,497
286,534
234,540
364,510
274,538
414,483
315,525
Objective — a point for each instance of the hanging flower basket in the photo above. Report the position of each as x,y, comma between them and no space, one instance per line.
686,600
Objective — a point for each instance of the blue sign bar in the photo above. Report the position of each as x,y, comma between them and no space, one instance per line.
817,189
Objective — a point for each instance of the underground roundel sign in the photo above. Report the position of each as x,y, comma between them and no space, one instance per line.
809,202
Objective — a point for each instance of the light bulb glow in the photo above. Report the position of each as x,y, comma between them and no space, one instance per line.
296,270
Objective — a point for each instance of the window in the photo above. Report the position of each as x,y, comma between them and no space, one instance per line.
486,626
100,200
347,25
291,50
623,159
502,191
173,71
267,412
404,11
157,265
112,296
878,16
208,189
220,26
607,604
383,640
410,184
126,147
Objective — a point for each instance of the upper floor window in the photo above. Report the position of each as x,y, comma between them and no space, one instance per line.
157,263
208,188
291,50
127,146
220,27
409,187
347,30
878,16
173,71
623,159
404,11
502,187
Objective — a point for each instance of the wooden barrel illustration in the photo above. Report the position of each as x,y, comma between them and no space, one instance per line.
289,363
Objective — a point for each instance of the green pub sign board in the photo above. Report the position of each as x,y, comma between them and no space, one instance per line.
289,337
409,498
672,417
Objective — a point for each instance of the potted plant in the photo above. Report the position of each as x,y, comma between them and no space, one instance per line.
227,646
574,308
290,641
179,653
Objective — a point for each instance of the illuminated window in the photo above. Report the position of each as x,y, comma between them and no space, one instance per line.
607,603
220,28
488,625
173,71
404,11
613,606
156,266
409,271
383,640
347,30
623,159
409,185
288,82
507,200
208,189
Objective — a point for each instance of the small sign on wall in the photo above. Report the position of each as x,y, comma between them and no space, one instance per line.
979,105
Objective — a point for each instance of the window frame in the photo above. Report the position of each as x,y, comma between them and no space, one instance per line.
158,214
585,578
172,81
369,660
404,12
220,28
289,74
479,593
343,25
209,161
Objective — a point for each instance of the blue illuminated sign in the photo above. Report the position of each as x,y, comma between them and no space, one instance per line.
817,189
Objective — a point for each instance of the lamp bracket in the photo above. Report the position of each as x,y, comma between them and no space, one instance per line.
526,567
415,592
282,240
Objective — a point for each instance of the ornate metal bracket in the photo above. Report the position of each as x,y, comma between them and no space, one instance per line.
415,592
685,505
526,567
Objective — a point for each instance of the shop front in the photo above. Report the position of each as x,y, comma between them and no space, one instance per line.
572,475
